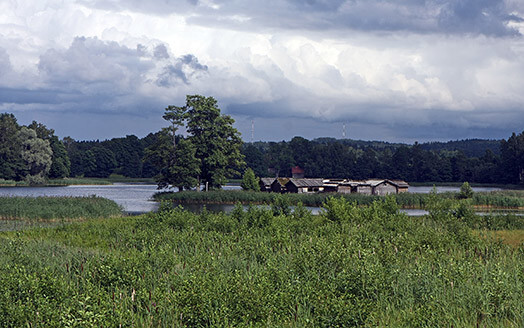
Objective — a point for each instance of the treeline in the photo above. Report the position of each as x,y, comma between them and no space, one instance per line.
123,156
34,153
431,162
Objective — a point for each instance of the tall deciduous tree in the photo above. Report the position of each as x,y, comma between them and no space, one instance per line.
178,167
10,147
216,141
209,155
37,155
61,164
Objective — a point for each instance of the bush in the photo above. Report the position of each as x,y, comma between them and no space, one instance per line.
465,191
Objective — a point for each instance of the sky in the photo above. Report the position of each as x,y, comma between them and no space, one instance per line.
391,70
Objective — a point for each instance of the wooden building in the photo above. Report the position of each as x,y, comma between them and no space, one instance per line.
305,185
265,184
402,186
279,185
372,187
382,187
379,187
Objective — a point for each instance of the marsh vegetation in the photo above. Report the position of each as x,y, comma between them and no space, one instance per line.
350,266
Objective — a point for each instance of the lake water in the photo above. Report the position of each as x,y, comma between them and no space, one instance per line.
136,198
427,189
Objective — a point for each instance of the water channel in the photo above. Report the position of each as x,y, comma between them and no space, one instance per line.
136,198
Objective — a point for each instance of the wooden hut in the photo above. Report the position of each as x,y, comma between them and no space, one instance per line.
332,185
304,185
279,185
382,187
265,184
402,186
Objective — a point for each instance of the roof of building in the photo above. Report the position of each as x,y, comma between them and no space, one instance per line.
307,182
267,181
281,181
400,183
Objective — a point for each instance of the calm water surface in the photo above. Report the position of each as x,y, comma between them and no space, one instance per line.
136,198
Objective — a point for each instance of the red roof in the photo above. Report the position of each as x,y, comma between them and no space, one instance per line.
297,170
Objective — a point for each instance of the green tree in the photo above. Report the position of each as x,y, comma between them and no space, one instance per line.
217,142
185,167
255,159
61,164
11,163
104,161
37,155
465,191
280,158
178,166
249,181
512,158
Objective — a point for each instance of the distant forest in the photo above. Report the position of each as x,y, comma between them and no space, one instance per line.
473,160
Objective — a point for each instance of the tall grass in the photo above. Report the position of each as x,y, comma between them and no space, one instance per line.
502,199
351,266
52,208
77,181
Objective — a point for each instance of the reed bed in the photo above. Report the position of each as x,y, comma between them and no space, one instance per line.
77,181
351,266
57,208
499,199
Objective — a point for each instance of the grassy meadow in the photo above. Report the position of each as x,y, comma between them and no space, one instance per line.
350,266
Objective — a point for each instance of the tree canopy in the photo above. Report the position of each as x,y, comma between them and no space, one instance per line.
208,155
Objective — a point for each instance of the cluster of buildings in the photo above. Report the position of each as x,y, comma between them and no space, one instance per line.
346,186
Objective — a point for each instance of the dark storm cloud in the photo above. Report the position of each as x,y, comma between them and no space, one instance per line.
28,96
375,121
95,67
488,17
180,71
95,76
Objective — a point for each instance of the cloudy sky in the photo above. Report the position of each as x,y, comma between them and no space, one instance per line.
393,70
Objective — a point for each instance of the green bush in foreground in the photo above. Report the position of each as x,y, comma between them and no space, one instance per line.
350,266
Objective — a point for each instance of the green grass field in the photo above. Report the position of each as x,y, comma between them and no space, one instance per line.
350,266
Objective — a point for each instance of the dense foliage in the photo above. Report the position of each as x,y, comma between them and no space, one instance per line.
330,158
351,266
30,153
249,181
209,155
211,152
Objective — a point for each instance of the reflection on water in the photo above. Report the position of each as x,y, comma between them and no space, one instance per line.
136,198
427,189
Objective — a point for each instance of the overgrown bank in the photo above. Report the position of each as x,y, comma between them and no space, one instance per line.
498,199
57,208
351,266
